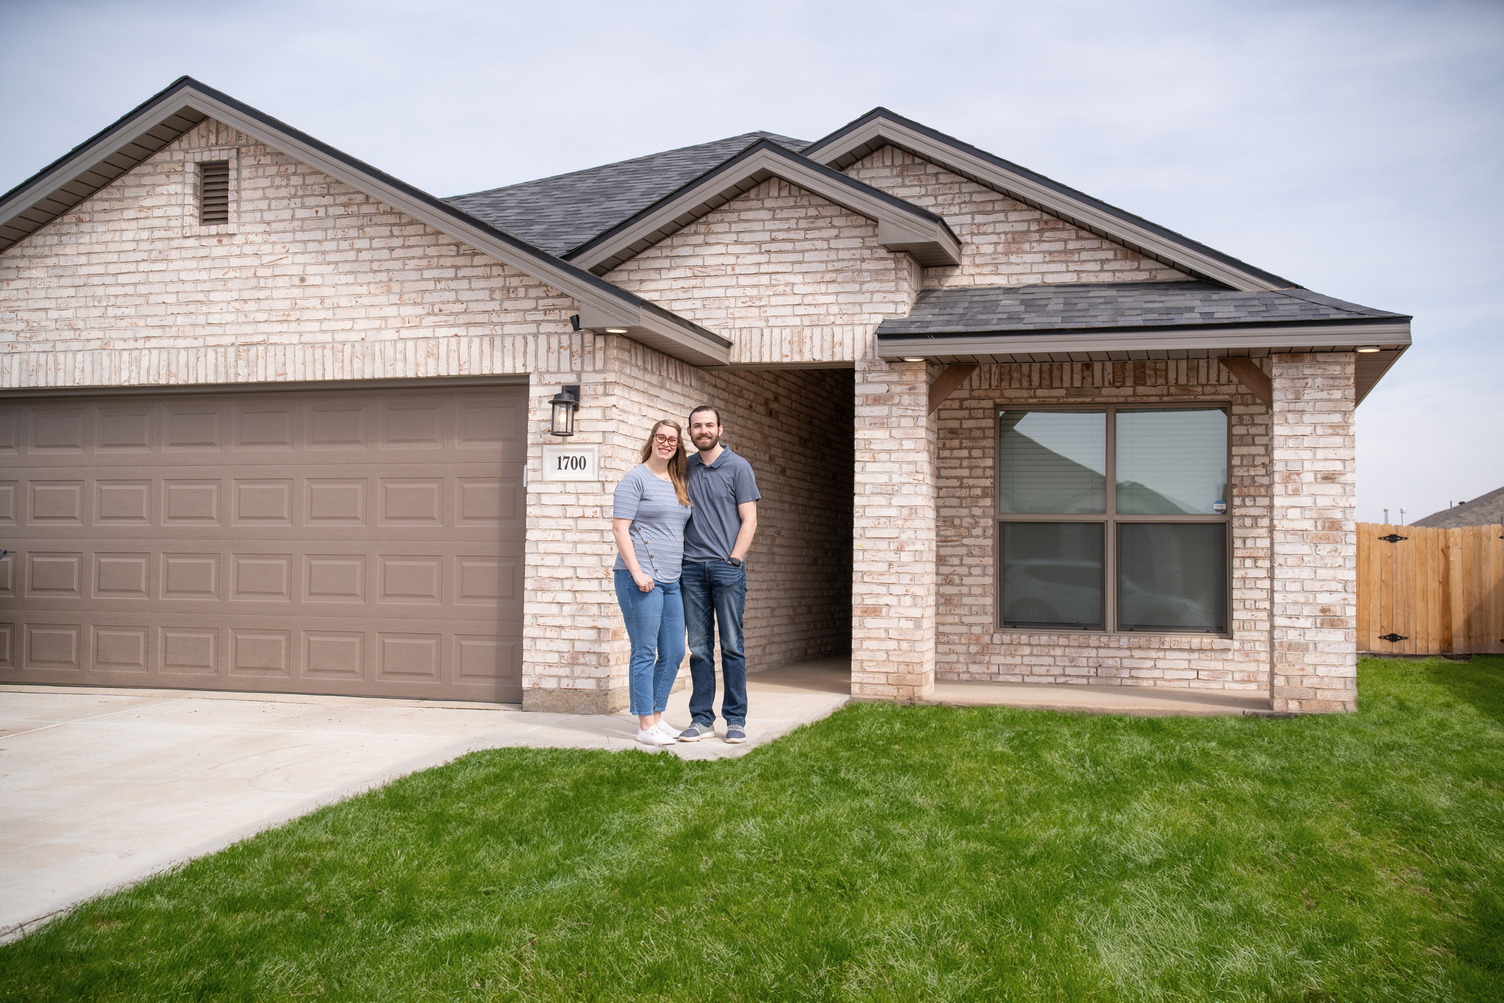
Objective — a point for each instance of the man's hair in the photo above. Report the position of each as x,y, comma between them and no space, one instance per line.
705,407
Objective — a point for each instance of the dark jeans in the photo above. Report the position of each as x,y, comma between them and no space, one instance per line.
715,595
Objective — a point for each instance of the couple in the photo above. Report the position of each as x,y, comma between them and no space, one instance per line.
682,529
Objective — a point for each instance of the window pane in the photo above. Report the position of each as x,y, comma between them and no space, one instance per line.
1172,577
1052,461
1052,574
1172,461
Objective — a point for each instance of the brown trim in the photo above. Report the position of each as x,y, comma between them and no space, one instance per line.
947,382
1253,378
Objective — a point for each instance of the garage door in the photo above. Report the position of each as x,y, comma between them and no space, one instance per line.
363,542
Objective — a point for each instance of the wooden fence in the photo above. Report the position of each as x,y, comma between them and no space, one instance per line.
1430,591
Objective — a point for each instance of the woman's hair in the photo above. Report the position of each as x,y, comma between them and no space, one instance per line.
677,464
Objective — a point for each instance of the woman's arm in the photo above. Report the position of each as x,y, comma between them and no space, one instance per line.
621,531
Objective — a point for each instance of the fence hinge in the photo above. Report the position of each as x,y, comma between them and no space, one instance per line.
1392,637
1393,538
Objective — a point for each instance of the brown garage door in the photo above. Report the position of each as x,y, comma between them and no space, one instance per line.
364,542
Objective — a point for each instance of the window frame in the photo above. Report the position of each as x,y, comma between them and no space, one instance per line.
1110,518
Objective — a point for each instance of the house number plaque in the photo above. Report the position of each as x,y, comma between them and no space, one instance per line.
571,463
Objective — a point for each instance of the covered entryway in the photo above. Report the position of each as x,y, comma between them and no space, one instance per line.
327,540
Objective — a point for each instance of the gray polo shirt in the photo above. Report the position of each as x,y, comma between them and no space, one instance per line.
657,529
714,492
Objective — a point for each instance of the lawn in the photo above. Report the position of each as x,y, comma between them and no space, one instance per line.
885,853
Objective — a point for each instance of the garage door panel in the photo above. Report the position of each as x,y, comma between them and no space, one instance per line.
125,429
362,542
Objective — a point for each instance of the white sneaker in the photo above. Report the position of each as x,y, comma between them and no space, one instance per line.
652,736
666,729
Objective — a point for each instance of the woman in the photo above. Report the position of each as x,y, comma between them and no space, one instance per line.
647,520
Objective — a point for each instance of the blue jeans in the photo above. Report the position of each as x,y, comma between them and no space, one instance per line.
655,625
715,596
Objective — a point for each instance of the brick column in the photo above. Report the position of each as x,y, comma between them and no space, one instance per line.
893,588
574,646
1315,658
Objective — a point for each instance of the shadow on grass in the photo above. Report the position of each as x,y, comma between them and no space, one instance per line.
1478,682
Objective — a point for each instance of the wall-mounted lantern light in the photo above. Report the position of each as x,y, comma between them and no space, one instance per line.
564,403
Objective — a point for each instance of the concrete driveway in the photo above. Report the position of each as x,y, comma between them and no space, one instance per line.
101,788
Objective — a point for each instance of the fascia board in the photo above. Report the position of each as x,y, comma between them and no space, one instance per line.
882,129
908,225
1310,337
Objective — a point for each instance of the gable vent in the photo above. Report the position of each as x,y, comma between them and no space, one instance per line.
214,192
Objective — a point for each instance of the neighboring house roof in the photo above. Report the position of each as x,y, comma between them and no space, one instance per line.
1485,510
901,226
881,127
1137,320
560,213
150,127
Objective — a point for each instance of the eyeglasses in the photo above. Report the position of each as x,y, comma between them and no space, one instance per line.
664,440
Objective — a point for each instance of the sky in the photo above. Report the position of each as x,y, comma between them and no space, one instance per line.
1355,148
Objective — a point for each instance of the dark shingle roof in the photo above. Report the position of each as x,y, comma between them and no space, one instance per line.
1485,510
562,212
1115,305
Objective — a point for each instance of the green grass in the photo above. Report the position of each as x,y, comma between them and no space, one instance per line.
885,853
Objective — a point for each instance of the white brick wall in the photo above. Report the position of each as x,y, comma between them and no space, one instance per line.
789,277
971,646
1003,241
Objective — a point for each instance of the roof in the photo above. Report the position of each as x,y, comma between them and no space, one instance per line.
1119,305
1485,510
186,102
1135,320
563,212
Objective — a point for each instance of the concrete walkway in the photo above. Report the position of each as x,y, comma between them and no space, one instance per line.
100,788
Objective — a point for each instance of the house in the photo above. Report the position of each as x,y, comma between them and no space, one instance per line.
1484,510
273,420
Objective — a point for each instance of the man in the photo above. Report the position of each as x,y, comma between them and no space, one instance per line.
723,517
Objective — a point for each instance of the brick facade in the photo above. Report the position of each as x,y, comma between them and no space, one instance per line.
1003,241
971,646
790,278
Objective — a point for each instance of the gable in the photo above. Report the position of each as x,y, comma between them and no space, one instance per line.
1003,241
305,258
137,136
786,274
880,127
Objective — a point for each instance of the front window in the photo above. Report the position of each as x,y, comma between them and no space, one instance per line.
1113,518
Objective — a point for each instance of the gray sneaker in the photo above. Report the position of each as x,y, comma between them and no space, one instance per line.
697,731
736,734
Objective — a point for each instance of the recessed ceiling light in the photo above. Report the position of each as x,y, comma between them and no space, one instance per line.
616,330
913,358
1369,349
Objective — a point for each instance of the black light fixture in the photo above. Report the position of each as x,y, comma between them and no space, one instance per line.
564,403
